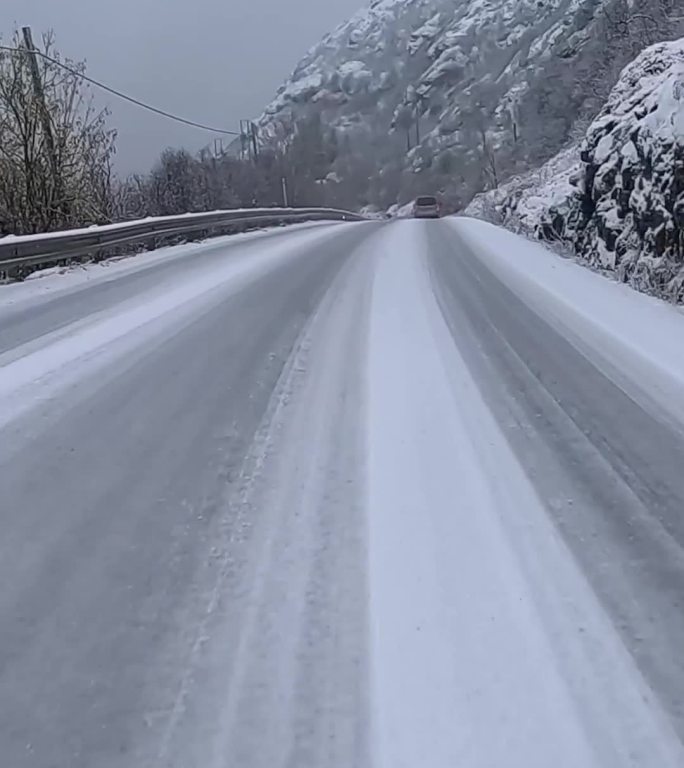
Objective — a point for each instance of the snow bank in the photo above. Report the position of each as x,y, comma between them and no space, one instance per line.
401,211
638,336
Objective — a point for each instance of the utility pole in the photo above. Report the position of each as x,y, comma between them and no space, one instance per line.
244,139
255,142
45,118
249,140
286,201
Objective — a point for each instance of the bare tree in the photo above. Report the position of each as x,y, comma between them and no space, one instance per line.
43,185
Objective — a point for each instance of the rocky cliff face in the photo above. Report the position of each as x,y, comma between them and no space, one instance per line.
442,94
616,199
628,212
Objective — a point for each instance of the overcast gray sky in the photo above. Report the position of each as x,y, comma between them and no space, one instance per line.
214,61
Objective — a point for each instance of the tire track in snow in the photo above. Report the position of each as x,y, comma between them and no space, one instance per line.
290,689
488,645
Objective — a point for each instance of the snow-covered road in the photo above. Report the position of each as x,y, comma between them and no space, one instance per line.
353,495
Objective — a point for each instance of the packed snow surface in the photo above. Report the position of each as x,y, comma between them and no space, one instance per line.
339,497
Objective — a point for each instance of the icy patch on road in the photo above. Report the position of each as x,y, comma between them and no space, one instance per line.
637,335
489,648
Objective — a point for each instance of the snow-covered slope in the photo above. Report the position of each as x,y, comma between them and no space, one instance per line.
410,83
522,204
618,199
628,214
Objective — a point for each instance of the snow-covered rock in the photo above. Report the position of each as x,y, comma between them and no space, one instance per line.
618,200
397,211
425,34
628,212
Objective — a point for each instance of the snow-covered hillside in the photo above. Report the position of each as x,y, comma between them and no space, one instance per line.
435,89
522,203
628,214
618,200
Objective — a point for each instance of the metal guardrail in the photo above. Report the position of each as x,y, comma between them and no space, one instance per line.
19,253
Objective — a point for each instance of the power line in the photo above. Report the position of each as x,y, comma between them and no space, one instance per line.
121,95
